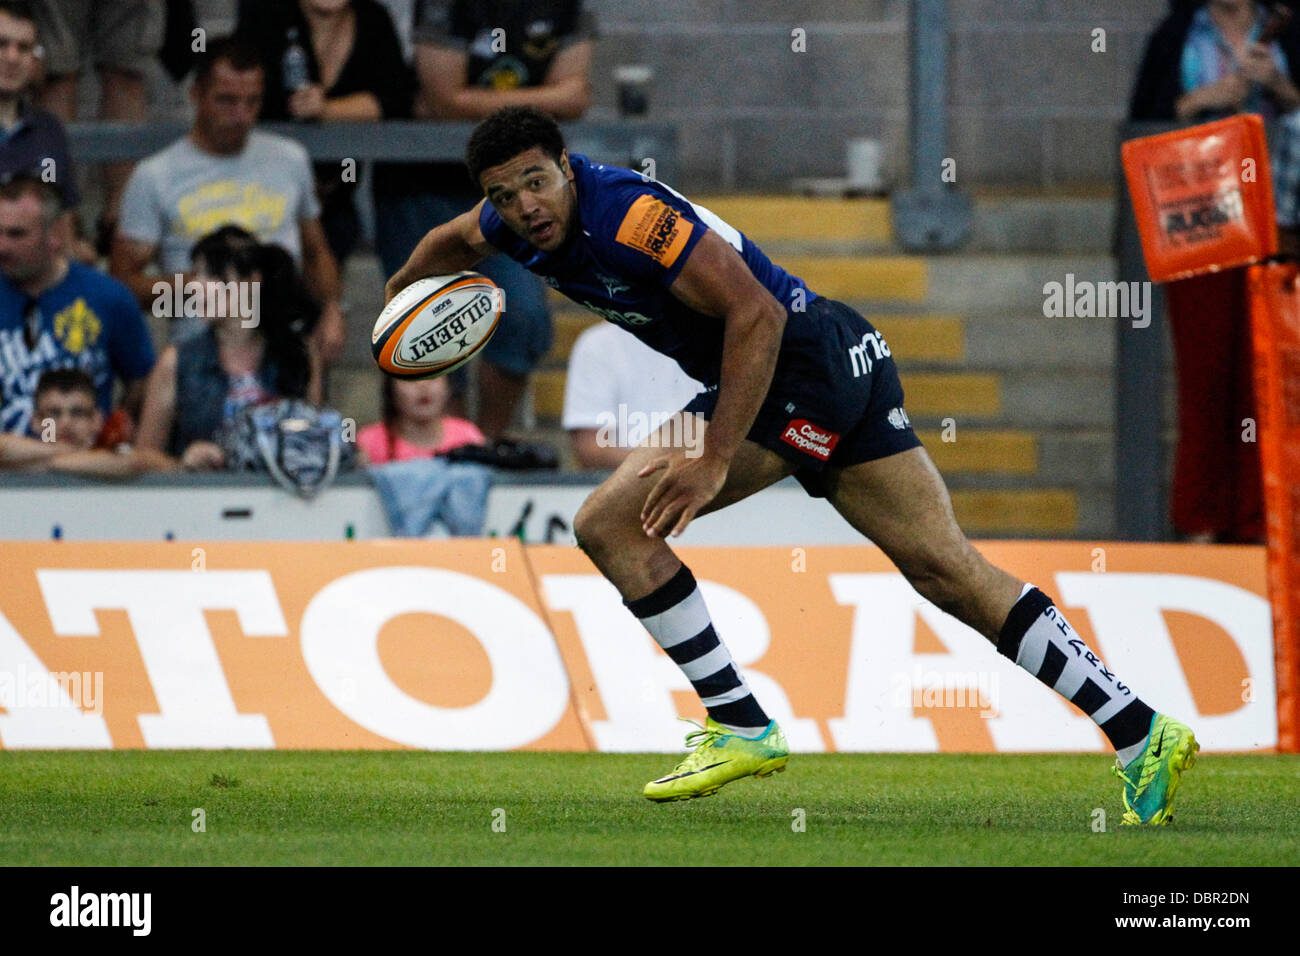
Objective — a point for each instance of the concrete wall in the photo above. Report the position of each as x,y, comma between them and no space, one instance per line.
1031,104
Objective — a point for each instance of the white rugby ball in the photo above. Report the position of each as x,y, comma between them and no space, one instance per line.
436,324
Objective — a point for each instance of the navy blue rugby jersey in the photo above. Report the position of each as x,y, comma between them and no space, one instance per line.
635,235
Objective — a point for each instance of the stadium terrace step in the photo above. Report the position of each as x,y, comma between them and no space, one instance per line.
863,278
922,338
982,452
854,279
548,395
802,219
567,324
951,394
1049,511
970,283
1033,399
1027,340
1072,222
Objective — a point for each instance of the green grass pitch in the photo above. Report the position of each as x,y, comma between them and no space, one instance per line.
408,808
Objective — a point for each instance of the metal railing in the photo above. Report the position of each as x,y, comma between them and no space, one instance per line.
625,143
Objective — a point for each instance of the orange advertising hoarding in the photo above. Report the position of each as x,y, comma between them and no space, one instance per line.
841,650
487,645
436,645
1202,197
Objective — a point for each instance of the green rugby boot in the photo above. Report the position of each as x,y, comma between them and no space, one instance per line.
1153,776
720,757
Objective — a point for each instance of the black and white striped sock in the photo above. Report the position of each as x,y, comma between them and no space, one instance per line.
677,619
1038,638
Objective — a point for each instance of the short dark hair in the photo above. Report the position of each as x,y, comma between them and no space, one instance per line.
228,249
64,380
16,186
235,50
19,10
508,132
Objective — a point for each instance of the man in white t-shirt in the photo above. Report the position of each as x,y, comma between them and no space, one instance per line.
224,172
618,392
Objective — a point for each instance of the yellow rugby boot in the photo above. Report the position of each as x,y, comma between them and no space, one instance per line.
720,757
1153,776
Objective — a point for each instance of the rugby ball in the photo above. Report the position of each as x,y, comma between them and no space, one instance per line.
436,324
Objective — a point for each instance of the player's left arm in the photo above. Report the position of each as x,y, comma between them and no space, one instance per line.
716,281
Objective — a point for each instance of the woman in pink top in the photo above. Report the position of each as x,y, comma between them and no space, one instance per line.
414,425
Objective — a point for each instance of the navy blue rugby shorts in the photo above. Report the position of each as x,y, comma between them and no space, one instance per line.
835,400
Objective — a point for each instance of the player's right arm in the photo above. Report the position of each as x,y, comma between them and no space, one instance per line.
452,247
128,262
20,452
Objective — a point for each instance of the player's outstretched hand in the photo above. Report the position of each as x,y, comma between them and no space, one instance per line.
686,486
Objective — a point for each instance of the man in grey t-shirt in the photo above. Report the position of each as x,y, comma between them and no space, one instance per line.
225,172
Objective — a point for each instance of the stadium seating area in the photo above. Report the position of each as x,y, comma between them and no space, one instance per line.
1017,411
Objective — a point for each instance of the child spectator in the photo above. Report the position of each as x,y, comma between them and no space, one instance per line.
414,425
72,434
236,360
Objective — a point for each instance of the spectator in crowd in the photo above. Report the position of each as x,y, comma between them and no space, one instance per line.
73,437
120,38
56,313
237,360
414,425
617,391
1203,63
32,140
329,60
471,59
226,172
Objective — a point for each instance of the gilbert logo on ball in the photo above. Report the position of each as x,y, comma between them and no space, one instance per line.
436,324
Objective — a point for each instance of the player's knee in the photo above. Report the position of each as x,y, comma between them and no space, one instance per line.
592,524
941,576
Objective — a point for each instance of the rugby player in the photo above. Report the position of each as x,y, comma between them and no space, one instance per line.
797,384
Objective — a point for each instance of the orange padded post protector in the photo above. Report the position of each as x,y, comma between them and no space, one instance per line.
1275,331
1203,197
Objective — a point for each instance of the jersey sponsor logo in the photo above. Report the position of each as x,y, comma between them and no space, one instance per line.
624,318
898,418
860,355
612,284
655,228
807,437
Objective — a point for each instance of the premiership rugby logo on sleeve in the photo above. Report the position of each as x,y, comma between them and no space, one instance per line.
807,437
655,228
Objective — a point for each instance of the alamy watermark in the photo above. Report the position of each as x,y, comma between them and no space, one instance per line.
627,428
1085,299
923,689
208,299
41,688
